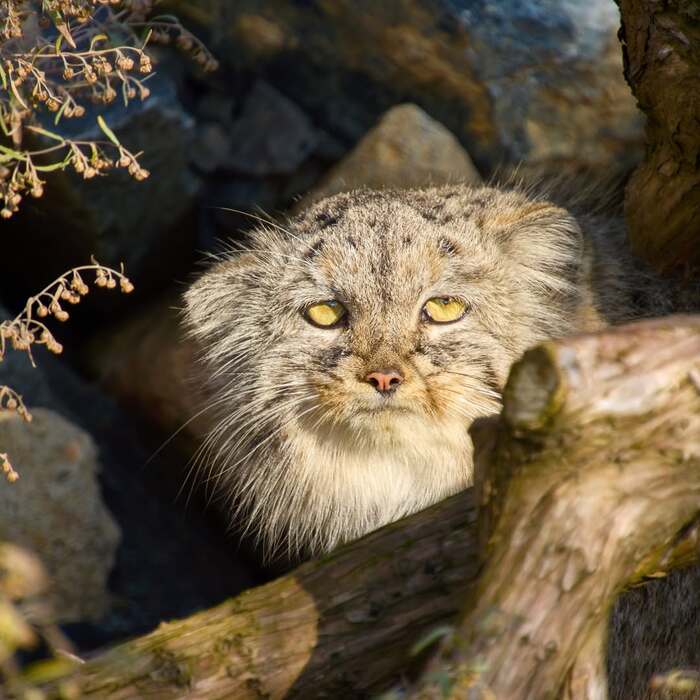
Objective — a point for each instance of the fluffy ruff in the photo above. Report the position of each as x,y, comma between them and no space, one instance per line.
305,452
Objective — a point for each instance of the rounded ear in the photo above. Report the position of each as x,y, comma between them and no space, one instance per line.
210,298
545,244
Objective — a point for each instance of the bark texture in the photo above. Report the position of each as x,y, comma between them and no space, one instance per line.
588,482
592,484
340,627
661,49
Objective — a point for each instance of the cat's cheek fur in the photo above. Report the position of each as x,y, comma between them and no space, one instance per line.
357,485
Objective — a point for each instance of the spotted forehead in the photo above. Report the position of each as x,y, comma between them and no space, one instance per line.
386,251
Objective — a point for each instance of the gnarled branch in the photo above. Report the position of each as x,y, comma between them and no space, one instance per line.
594,472
588,481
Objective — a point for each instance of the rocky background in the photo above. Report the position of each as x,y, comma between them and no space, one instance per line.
312,97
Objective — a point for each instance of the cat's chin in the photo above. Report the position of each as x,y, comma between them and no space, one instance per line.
388,422
358,475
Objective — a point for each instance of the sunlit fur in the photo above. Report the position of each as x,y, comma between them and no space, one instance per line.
307,452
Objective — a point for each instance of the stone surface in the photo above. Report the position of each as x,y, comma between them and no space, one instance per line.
215,106
148,363
172,560
553,69
272,136
56,510
209,149
512,79
407,148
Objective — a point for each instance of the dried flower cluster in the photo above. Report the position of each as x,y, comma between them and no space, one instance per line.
27,330
56,56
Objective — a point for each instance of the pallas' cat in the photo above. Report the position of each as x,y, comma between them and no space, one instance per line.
348,351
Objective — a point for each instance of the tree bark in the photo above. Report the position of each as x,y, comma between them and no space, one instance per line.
587,482
661,49
339,627
593,484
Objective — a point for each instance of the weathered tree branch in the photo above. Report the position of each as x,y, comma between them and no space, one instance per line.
589,481
661,48
594,472
338,627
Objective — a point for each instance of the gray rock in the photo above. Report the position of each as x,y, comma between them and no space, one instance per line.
56,511
215,106
553,69
129,220
209,149
272,136
407,148
512,79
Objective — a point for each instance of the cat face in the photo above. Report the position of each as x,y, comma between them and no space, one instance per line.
348,352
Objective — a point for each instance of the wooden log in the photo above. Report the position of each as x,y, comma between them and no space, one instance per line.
661,50
342,626
591,485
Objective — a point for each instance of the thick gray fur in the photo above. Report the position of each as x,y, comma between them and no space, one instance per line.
305,451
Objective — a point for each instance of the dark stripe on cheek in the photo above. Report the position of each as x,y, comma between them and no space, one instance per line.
490,377
330,357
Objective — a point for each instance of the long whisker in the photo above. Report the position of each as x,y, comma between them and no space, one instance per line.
202,454
229,467
266,222
210,405
473,378
242,431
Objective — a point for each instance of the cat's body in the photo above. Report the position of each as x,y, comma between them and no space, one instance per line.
326,433
306,445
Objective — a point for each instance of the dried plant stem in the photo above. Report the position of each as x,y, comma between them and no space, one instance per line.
100,53
26,330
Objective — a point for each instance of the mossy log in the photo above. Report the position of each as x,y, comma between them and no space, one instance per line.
339,627
661,50
588,482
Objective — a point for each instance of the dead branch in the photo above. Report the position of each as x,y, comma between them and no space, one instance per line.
589,481
591,485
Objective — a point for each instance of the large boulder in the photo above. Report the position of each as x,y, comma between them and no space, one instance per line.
56,509
512,79
407,148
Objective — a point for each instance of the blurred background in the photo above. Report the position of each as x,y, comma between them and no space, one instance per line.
311,97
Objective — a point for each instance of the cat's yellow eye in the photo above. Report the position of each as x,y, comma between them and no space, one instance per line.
444,309
326,314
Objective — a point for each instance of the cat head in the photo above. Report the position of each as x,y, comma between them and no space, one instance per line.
347,353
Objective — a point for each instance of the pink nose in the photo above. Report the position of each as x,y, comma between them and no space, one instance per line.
384,380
